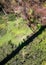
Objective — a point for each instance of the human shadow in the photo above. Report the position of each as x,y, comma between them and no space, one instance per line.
16,51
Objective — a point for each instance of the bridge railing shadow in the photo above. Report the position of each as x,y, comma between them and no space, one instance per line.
16,51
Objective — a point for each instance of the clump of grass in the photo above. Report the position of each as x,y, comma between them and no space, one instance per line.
16,29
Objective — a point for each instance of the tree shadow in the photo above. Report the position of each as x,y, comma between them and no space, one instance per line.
16,51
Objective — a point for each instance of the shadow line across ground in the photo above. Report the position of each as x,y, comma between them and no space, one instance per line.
16,51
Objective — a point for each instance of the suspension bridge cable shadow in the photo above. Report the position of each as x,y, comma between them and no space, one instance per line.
16,51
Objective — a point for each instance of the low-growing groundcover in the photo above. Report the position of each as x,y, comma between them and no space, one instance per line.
15,30
32,54
12,33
